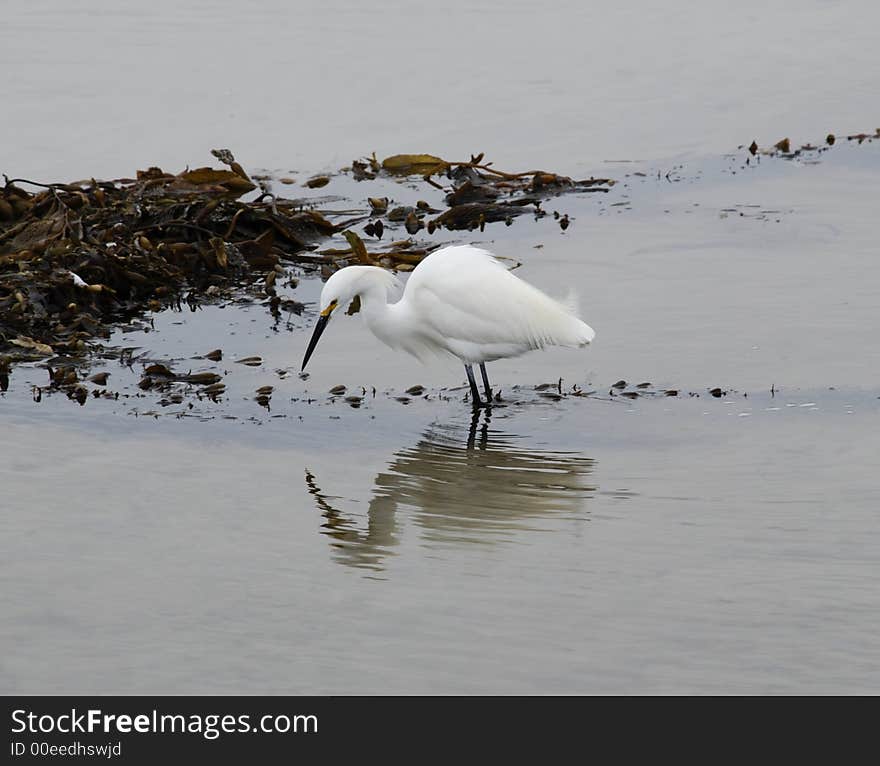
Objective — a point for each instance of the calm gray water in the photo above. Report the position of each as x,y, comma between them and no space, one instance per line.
664,544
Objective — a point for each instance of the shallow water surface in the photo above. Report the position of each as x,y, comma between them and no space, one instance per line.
101,91
655,546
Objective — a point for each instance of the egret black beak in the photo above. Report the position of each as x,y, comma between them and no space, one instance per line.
320,325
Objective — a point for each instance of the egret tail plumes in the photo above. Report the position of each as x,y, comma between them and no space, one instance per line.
459,301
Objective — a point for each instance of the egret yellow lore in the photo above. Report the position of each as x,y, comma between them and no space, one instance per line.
459,301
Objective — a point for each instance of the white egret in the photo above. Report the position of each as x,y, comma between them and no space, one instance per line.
459,301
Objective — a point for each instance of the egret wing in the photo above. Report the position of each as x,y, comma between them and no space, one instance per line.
470,297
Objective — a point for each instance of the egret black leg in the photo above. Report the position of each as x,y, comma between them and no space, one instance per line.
475,392
486,386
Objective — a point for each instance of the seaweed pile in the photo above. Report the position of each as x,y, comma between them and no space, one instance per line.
478,193
76,258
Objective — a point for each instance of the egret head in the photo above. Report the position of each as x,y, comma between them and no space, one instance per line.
342,288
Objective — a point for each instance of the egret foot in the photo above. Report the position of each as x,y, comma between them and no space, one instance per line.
486,387
476,402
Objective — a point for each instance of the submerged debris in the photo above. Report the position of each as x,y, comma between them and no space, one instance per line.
785,149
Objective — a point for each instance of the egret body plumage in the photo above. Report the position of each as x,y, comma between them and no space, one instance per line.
459,301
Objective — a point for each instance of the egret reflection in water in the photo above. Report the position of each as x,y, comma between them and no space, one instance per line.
459,485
